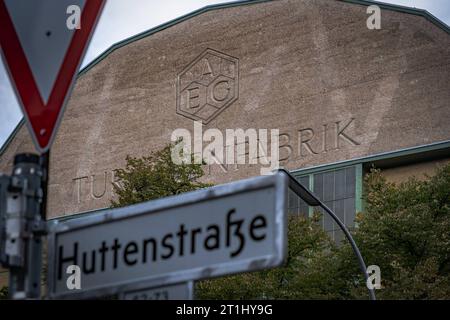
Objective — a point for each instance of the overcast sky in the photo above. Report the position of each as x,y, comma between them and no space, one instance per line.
124,18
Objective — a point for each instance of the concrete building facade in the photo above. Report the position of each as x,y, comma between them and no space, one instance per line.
343,97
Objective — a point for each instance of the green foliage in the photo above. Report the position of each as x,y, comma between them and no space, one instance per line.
308,246
154,177
4,293
404,230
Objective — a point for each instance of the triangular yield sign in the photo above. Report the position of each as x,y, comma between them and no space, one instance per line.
42,55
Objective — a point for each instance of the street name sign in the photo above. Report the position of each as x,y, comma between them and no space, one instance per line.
42,52
180,291
226,229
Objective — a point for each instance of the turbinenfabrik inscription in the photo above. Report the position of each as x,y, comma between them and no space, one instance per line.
296,145
207,86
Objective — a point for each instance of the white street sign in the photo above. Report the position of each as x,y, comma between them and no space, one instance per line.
180,291
236,227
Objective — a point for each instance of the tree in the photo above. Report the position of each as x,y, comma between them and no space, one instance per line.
155,176
310,251
405,230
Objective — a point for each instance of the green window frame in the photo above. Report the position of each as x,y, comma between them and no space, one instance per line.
333,187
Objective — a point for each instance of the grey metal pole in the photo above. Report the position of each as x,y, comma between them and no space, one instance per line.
44,161
22,227
313,200
362,264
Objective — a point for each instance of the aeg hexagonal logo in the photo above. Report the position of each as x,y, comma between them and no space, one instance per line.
207,86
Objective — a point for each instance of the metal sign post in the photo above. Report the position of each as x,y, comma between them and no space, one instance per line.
44,162
231,228
42,54
22,226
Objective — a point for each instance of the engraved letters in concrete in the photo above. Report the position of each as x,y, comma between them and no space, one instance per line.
207,86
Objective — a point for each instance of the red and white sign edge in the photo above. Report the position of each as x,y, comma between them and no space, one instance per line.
22,78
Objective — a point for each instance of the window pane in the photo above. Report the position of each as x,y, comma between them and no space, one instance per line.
318,185
350,212
293,200
328,221
304,181
337,190
339,184
295,204
351,181
339,209
328,186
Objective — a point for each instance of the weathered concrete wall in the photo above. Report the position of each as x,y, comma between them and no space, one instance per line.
418,170
335,90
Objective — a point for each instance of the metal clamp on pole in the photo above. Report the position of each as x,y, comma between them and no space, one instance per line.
22,227
312,200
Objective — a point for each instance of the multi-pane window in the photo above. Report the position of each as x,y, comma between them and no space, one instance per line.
295,204
337,189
